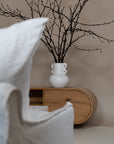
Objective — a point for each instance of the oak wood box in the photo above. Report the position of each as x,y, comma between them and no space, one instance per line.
83,100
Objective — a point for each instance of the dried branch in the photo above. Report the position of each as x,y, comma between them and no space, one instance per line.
31,7
90,32
63,29
98,24
8,12
83,49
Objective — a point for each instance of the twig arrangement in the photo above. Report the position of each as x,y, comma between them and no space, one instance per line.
64,28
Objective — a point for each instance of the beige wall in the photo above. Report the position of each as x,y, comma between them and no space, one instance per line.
92,70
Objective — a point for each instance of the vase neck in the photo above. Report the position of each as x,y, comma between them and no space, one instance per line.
59,68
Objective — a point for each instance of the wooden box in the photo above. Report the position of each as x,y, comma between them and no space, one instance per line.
83,100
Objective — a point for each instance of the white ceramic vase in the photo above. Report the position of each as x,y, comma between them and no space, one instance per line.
59,79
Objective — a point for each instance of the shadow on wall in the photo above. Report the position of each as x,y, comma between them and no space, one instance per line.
95,71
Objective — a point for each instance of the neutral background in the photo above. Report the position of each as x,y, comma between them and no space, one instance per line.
92,70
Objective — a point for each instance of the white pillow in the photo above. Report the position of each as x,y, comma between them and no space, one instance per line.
18,44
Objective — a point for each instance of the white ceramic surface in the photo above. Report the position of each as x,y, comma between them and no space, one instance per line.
59,79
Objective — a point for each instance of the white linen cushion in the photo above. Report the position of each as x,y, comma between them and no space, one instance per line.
18,44
50,128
